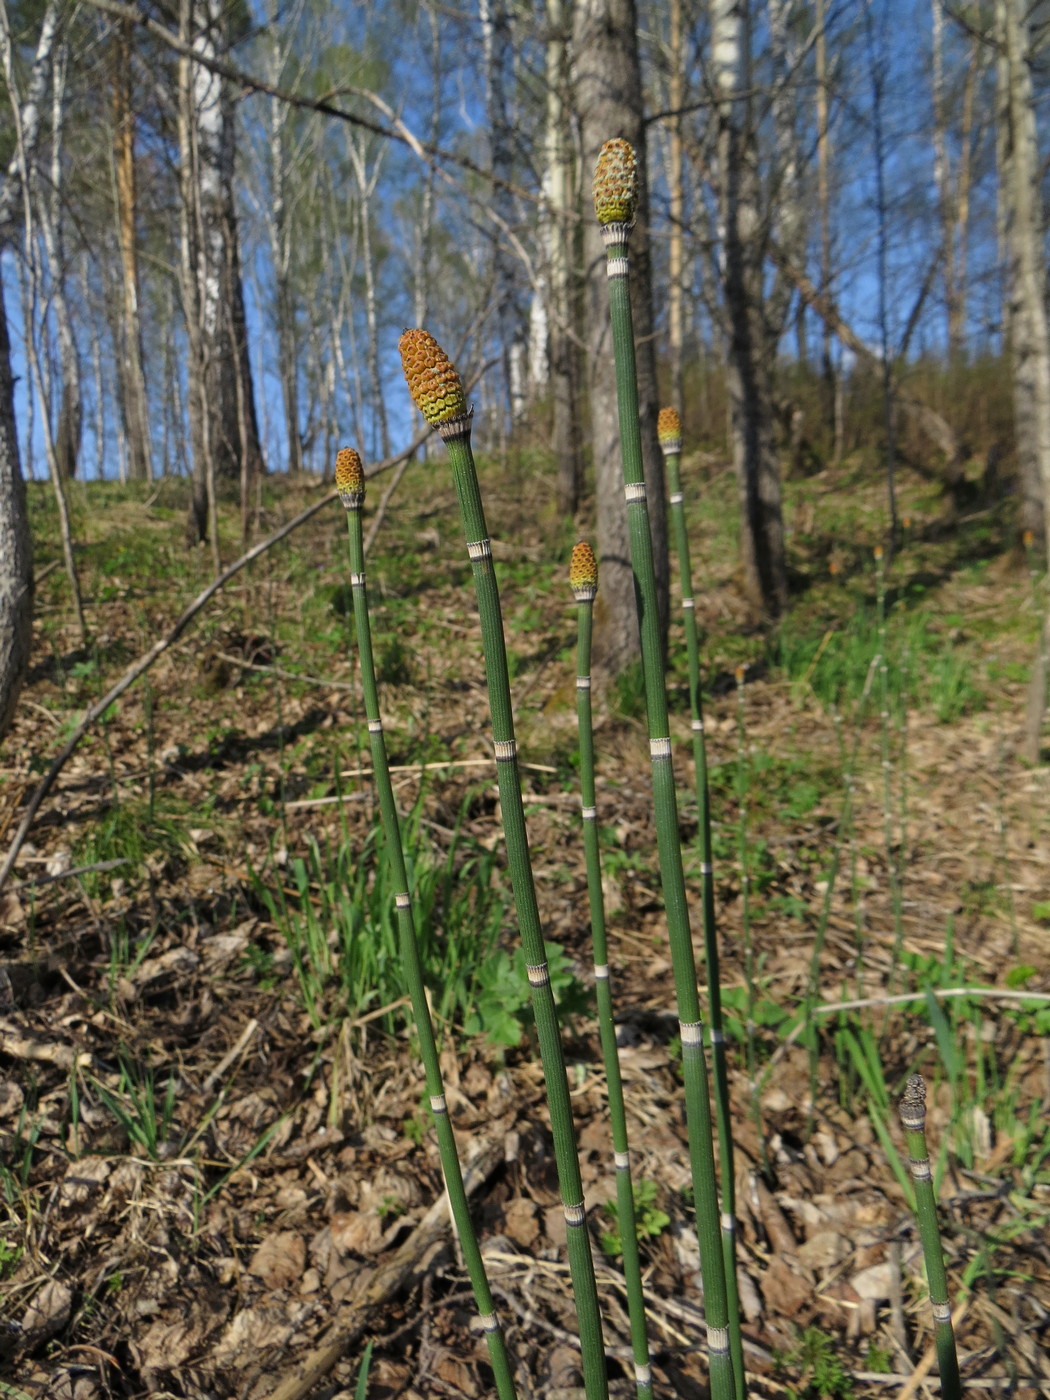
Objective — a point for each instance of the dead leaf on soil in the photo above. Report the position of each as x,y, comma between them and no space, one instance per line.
252,1330
49,1311
520,1223
280,1259
168,1344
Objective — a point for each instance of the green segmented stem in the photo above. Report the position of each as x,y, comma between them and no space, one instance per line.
456,433
913,1120
450,1164
632,1269
694,1067
672,458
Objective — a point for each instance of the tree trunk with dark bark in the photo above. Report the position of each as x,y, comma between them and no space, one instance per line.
16,546
751,406
608,91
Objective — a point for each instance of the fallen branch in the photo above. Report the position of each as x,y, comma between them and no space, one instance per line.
142,665
390,1279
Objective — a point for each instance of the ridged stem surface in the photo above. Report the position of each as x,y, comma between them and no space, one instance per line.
913,1120
625,1212
716,1029
694,1068
409,945
581,1264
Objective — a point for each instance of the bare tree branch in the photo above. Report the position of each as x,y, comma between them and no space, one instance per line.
425,150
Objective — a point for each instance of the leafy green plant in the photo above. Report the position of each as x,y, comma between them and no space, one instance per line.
337,917
649,1220
502,1010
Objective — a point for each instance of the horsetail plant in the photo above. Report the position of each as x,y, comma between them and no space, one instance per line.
894,869
615,201
437,392
913,1120
350,482
583,579
743,794
669,432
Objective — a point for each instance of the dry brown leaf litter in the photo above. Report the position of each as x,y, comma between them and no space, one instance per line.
130,1283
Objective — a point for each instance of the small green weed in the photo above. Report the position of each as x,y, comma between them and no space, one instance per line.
824,1375
10,1253
338,921
649,1221
502,1010
146,1118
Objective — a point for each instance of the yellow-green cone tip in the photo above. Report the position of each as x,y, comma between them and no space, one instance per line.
349,478
583,571
436,388
349,473
669,429
616,183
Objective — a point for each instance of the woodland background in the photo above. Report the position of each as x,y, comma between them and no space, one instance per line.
215,221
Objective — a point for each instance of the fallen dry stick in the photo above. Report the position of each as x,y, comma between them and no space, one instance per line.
386,1283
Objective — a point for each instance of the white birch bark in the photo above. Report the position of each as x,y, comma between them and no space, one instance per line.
367,180
48,209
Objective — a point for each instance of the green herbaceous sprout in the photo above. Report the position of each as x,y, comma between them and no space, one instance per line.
614,196
913,1120
438,393
669,432
350,483
583,579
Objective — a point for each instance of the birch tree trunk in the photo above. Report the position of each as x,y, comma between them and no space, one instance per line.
131,380
1030,334
1026,273
942,173
748,378
48,205
496,38
607,82
563,360
225,433
16,546
832,395
367,180
676,208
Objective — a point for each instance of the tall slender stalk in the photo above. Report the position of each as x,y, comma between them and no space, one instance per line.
583,578
437,391
350,481
615,196
913,1120
893,868
669,431
743,793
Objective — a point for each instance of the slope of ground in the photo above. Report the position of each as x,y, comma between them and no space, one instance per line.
214,1141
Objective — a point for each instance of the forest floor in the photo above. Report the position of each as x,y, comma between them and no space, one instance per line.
213,1136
